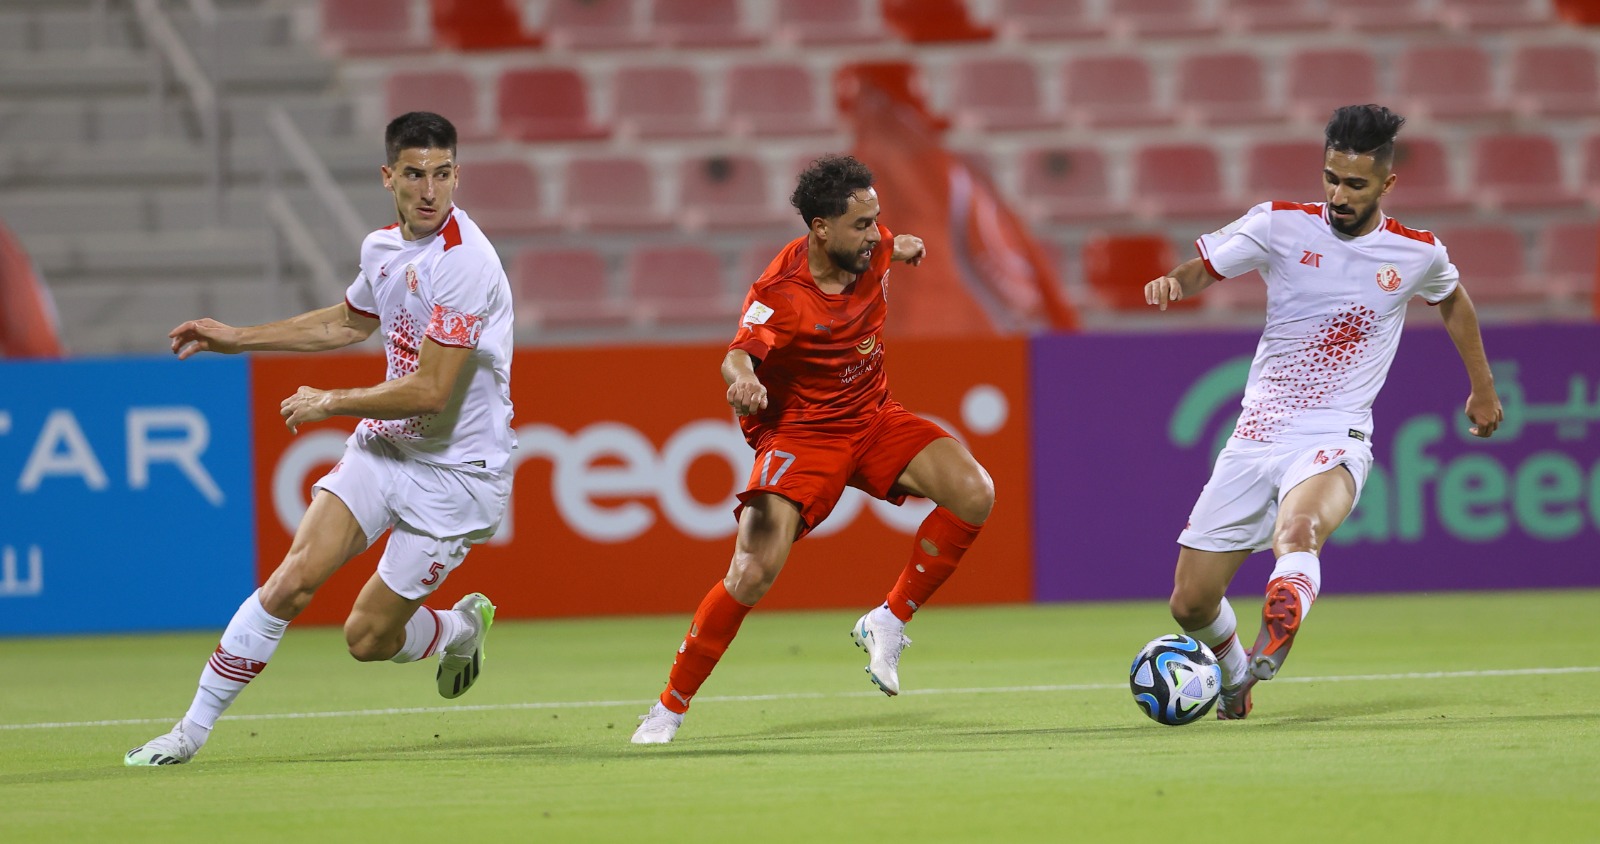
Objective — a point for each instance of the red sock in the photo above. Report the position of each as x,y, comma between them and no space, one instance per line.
950,537
714,626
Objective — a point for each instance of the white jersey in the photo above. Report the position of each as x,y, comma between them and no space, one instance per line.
450,288
1335,307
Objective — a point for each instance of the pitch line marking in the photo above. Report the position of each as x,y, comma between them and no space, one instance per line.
976,690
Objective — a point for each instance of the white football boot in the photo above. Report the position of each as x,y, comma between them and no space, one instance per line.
174,748
460,666
657,726
883,637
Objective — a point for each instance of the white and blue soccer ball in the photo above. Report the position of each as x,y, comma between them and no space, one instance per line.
1175,680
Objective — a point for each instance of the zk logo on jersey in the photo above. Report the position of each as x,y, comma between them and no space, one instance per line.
756,315
1389,278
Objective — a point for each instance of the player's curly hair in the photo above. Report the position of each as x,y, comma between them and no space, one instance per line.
418,130
1364,130
825,187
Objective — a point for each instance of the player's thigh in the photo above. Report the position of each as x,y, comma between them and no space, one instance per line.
328,536
412,567
1321,485
809,471
768,527
947,474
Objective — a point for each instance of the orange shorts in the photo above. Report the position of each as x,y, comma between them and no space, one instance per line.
812,466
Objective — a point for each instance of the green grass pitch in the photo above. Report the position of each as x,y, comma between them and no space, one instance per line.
1460,717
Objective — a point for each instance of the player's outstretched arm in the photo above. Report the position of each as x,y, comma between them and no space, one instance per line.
1461,321
746,394
428,390
314,331
1184,280
908,248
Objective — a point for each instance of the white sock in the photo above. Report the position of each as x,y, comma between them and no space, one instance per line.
1222,637
883,615
246,645
1304,571
430,631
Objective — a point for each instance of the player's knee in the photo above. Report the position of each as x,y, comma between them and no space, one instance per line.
974,497
1191,609
285,595
749,578
1296,533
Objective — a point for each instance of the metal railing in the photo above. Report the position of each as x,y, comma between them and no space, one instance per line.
288,230
174,56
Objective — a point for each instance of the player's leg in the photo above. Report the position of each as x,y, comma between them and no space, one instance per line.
1199,604
1308,514
327,537
768,527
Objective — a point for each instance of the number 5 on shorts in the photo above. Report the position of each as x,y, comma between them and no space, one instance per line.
766,466
433,574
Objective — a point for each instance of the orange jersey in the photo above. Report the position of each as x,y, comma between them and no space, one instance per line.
821,354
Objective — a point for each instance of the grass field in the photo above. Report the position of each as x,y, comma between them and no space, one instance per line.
1426,718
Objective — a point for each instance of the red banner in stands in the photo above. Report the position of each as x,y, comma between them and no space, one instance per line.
627,466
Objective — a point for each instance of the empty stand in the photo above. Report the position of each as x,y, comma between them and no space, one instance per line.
1555,80
660,101
372,27
1385,16
545,104
725,191
774,99
592,24
451,93
997,94
1161,18
1424,184
1067,184
1273,16
1520,172
1567,258
1116,268
1322,80
1111,92
1491,261
826,22
564,287
1284,171
1045,20
699,23
680,284
1180,180
611,194
1224,89
480,25
1448,82
503,197
1492,15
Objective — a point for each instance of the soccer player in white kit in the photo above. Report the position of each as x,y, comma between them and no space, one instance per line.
428,462
1338,275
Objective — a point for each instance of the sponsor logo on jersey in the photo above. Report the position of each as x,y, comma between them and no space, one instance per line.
411,277
756,314
1389,278
866,346
1357,435
455,328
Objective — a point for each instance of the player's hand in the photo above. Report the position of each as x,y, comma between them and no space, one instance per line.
1163,290
1485,412
204,335
305,406
909,248
746,396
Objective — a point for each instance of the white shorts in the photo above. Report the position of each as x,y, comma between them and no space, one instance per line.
437,512
1239,505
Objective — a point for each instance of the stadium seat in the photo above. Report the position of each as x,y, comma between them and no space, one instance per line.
480,25
1116,268
1494,15
504,197
372,27
699,23
1067,184
1322,80
933,21
1448,82
680,284
725,191
774,99
1491,262
592,24
1426,183
1555,80
1160,18
1273,16
545,104
660,101
1223,89
564,287
756,255
827,23
1386,16
1568,259
1284,171
611,194
1179,180
997,94
1111,91
451,93
1521,171
1049,20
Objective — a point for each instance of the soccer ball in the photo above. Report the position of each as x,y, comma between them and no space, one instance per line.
1175,680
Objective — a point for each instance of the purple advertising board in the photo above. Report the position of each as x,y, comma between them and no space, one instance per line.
1126,427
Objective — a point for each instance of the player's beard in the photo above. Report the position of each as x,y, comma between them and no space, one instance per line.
850,262
1355,225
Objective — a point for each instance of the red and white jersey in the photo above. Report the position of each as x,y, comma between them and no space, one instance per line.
450,288
1335,307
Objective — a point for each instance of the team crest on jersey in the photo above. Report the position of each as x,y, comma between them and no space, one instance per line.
411,277
756,314
866,346
1389,278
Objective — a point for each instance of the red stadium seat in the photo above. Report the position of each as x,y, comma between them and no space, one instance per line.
725,191
699,23
1067,184
1161,18
680,284
997,94
1049,20
564,287
372,27
504,197
1404,16
1322,80
1494,15
1111,91
827,22
1491,262
1449,82
610,194
1116,268
545,104
1425,180
1568,259
754,258
592,24
1521,172
933,21
774,99
660,101
1179,180
451,93
1274,16
1224,89
1555,80
1284,171
480,25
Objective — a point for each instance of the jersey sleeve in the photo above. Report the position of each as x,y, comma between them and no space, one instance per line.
358,296
459,299
1443,277
768,323
1239,247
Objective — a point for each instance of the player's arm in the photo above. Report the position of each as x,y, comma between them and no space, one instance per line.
746,394
1182,281
428,390
909,249
314,331
1461,321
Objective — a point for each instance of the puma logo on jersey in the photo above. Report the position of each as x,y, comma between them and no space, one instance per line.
1312,259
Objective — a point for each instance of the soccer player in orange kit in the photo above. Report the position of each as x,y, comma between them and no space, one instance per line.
805,374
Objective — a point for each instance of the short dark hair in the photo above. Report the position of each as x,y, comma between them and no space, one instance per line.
825,187
418,130
1364,130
